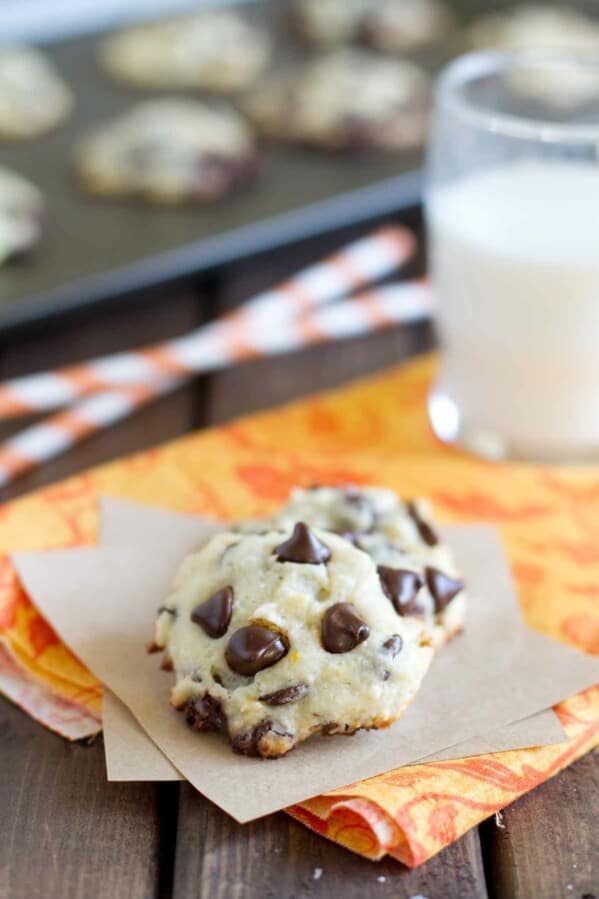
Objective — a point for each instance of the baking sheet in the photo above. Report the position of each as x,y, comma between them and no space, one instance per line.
98,249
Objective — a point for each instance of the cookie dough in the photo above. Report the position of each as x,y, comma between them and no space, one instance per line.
393,26
280,635
22,212
346,100
33,96
217,51
417,570
169,151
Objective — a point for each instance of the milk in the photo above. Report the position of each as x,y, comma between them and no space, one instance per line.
515,258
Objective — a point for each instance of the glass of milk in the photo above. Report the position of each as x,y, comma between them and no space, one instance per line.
513,216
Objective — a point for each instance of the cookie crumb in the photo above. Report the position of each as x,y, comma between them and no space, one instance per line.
317,873
381,878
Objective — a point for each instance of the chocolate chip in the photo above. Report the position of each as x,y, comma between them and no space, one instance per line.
205,713
401,587
392,646
442,587
424,529
304,547
255,647
214,615
249,743
286,695
363,504
167,663
353,495
153,647
342,628
170,611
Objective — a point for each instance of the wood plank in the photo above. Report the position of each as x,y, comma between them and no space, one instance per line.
548,841
278,858
269,382
64,832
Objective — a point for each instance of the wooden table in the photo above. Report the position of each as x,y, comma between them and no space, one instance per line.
65,832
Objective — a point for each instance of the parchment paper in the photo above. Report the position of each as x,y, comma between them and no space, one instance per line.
102,602
131,755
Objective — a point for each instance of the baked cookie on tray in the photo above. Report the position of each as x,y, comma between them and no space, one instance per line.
348,100
537,28
212,50
280,635
169,151
407,26
326,23
417,571
33,96
22,212
393,26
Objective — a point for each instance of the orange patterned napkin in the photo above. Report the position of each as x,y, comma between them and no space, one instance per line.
375,431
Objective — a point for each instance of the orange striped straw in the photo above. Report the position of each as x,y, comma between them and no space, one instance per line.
368,312
233,337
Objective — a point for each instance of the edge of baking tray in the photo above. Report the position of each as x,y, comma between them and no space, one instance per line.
392,195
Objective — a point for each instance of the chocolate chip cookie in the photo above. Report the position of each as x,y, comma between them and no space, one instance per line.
277,636
169,151
416,568
22,211
538,27
212,50
33,96
347,100
393,26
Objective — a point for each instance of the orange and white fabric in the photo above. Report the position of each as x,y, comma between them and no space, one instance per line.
374,431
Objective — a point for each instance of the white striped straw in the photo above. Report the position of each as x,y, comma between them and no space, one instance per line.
58,433
222,342
366,313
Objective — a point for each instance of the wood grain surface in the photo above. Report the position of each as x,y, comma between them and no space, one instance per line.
65,832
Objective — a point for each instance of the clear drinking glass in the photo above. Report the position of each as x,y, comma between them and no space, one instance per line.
512,209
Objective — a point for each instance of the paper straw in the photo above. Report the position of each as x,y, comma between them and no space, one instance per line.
362,262
366,313
58,433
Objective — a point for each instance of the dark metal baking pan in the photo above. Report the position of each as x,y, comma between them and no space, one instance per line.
96,250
